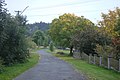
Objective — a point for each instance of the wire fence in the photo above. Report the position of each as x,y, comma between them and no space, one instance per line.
107,62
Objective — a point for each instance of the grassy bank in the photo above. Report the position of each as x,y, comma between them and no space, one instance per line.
13,71
91,71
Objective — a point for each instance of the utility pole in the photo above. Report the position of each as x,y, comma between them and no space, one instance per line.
20,12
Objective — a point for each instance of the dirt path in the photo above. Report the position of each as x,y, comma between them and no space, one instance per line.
50,68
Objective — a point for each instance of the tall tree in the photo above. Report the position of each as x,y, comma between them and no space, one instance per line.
13,46
116,40
63,28
31,28
3,13
117,26
86,40
45,43
38,37
109,21
110,25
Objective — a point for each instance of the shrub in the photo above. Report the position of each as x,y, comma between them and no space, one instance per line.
61,53
30,43
51,46
105,50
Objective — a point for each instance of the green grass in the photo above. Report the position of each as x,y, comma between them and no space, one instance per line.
93,72
17,69
59,50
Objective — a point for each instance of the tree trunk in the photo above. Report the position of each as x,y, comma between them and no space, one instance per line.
71,51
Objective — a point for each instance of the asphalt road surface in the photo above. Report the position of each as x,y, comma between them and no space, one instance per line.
50,68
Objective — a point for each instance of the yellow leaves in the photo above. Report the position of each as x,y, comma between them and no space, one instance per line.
101,50
64,28
109,21
68,24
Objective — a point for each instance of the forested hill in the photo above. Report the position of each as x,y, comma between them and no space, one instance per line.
31,28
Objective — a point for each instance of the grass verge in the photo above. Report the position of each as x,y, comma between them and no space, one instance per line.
93,72
17,69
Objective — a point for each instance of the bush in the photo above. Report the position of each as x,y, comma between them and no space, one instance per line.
45,43
104,51
30,43
61,53
51,46
13,47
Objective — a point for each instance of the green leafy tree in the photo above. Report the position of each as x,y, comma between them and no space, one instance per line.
45,44
117,26
13,48
105,50
109,21
3,14
116,40
38,37
110,25
31,44
87,39
63,28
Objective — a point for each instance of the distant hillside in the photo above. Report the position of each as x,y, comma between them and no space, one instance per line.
31,28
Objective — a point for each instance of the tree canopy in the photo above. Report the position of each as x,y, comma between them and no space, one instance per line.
63,29
13,47
38,37
110,25
109,21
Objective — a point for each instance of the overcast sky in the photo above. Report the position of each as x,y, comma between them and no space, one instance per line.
47,10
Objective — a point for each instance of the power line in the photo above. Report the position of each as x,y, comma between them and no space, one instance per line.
65,4
20,12
89,11
43,15
24,10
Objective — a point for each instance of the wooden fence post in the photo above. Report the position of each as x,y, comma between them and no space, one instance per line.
108,62
89,58
119,65
94,59
100,61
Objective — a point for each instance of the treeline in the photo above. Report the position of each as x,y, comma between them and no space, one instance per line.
38,35
79,33
13,44
31,28
41,38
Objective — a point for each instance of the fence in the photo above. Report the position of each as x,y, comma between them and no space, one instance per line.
108,62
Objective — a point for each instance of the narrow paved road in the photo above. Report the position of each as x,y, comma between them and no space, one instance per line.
50,68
